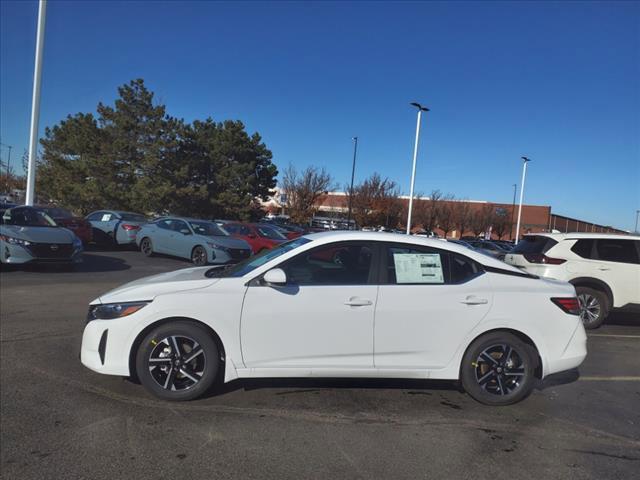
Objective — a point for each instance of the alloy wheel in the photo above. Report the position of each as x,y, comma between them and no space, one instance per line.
177,362
590,308
146,247
199,256
500,369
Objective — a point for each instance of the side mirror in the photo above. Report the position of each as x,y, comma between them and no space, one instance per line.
275,276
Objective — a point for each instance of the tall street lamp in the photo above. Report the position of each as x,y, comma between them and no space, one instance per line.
35,105
637,215
353,171
415,157
524,173
513,210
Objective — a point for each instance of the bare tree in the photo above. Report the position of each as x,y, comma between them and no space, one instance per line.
303,190
375,202
446,217
501,222
482,219
428,211
462,215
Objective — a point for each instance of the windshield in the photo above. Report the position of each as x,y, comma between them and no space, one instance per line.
209,229
28,217
250,264
534,244
268,232
56,212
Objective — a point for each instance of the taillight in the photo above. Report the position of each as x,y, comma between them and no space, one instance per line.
542,258
567,304
129,227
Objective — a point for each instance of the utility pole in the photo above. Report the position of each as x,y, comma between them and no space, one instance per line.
415,157
35,105
353,171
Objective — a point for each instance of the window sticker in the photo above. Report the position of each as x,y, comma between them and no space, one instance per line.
106,217
418,268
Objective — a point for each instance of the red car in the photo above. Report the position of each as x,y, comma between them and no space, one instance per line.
258,235
66,219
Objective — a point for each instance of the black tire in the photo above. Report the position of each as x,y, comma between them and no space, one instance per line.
594,307
199,256
493,380
146,247
156,375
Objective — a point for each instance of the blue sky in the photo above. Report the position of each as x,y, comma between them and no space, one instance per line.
558,82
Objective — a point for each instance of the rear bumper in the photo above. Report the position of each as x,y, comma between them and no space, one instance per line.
573,355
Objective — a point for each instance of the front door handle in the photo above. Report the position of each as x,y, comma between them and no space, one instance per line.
604,269
473,300
358,302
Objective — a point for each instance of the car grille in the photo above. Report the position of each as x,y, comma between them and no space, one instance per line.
51,250
238,253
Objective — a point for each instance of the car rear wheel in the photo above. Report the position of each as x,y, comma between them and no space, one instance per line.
146,247
594,307
498,369
199,256
178,361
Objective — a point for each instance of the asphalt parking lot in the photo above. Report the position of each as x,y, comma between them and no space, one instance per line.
60,420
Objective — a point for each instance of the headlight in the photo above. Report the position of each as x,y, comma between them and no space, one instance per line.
109,311
77,242
216,246
15,241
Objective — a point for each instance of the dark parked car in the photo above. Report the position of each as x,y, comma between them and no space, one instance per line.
64,218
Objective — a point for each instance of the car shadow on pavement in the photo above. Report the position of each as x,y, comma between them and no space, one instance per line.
556,379
627,319
306,384
90,264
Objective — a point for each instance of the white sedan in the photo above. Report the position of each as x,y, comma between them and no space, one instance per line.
340,304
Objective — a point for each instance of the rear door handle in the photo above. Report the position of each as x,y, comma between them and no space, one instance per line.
358,302
472,300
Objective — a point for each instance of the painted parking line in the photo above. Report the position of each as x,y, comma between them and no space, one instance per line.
611,379
612,336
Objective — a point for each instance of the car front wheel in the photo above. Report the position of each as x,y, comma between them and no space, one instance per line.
498,369
178,361
199,256
593,307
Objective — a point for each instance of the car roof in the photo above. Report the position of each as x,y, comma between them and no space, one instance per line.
347,235
186,219
577,235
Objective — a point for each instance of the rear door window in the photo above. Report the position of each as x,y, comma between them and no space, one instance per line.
615,250
583,248
534,244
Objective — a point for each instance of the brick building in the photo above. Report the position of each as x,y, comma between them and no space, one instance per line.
535,218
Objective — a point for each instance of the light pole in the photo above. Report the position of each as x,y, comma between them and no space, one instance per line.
415,157
524,173
637,215
353,171
513,210
35,105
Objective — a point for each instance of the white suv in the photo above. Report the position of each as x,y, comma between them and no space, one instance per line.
605,269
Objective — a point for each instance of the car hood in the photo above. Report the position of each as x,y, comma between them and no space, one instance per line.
39,234
148,288
227,242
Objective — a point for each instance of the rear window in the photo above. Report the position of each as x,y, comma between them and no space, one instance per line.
534,244
133,217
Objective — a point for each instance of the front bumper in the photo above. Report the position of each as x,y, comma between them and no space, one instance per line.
102,347
18,254
219,256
